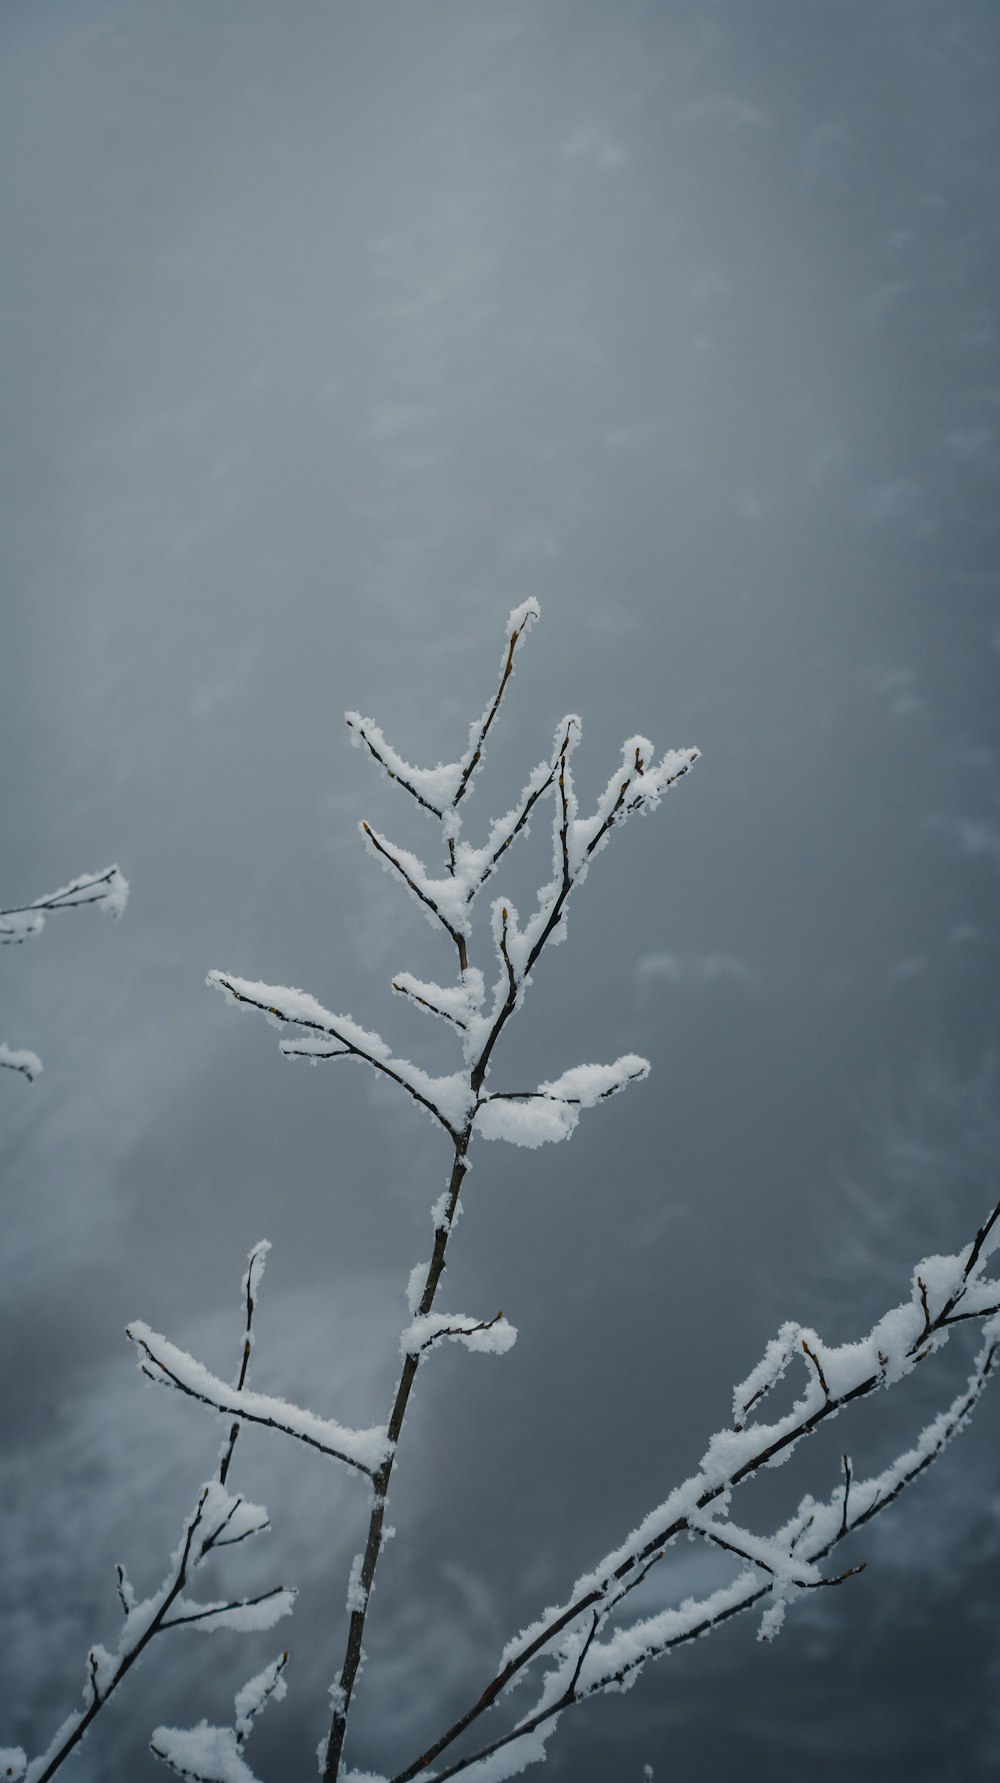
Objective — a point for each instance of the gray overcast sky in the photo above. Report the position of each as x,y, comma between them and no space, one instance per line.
331,332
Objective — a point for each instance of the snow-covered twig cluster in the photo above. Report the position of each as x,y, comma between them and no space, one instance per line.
218,1519
109,890
460,1102
946,1291
585,1646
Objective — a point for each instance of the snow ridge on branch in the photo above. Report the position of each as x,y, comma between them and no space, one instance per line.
24,922
163,1362
205,1754
108,890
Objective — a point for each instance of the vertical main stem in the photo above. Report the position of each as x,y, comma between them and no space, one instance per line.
373,1545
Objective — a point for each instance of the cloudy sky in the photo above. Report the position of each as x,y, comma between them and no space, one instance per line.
330,333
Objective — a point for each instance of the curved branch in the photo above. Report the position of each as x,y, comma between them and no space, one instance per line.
295,1019
256,1408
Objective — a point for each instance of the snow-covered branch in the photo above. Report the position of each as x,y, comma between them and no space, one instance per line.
494,1336
23,922
163,1362
206,1754
588,1643
780,1565
459,1101
218,1519
446,1098
109,890
536,1117
20,1059
440,790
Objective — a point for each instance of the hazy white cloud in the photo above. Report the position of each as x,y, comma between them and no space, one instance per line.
897,687
726,109
590,143
704,968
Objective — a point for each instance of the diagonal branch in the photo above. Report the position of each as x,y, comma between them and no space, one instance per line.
109,887
321,1434
533,794
254,1272
520,621
361,728
404,990
302,1011
697,1619
627,1569
209,1610
421,893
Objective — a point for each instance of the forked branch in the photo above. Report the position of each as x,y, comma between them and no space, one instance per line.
217,1520
810,1537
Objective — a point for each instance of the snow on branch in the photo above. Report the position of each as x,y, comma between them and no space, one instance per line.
446,1098
109,890
945,1291
28,1063
536,1117
218,1520
473,866
439,790
206,1754
458,1003
636,786
442,900
494,1336
163,1362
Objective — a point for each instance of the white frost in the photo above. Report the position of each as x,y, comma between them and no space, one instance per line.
492,1336
107,890
207,1754
448,1097
551,1112
365,1448
20,1059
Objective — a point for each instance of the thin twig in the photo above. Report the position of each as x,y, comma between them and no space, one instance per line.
160,1370
425,1003
393,775
474,759
846,1461
223,1609
54,901
424,897
460,1331
349,1046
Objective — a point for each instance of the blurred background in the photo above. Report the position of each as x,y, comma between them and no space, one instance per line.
329,334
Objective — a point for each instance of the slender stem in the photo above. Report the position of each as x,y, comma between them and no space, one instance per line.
54,901
129,1658
158,1623
373,1544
